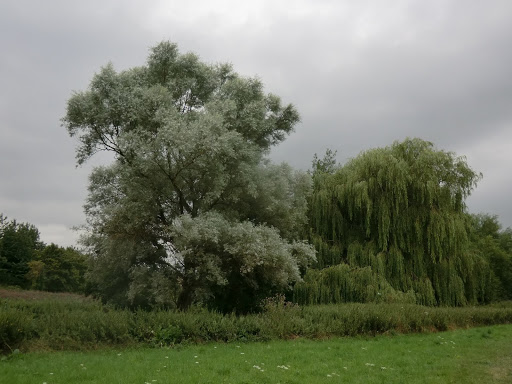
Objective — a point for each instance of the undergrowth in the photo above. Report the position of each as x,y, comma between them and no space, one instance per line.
78,325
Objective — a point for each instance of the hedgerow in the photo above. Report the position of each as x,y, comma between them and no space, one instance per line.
71,325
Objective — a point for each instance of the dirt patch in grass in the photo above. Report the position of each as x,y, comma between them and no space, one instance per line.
501,370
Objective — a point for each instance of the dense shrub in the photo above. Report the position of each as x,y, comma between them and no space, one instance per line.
58,325
15,326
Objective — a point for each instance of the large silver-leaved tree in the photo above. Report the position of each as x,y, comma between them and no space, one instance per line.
189,211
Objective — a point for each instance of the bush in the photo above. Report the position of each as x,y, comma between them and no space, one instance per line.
15,327
71,324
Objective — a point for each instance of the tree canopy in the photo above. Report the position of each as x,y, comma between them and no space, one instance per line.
18,244
26,262
188,139
190,210
491,242
57,269
401,211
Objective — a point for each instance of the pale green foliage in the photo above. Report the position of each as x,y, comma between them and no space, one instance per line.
279,199
188,138
233,265
400,210
172,89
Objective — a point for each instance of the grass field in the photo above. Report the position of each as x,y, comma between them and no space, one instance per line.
478,355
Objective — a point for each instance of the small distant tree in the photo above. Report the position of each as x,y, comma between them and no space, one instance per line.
490,242
57,269
327,164
18,244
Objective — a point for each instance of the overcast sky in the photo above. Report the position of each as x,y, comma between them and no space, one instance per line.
361,73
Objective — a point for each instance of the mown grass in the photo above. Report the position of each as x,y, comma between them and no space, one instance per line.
478,355
70,324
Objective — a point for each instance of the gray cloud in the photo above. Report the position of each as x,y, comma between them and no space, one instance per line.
362,75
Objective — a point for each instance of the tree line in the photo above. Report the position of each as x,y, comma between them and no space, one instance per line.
192,212
27,262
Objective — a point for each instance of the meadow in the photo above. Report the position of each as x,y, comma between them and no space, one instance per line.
65,338
477,355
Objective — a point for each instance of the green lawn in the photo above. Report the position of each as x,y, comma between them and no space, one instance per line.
479,355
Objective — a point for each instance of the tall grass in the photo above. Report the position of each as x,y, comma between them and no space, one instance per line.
75,325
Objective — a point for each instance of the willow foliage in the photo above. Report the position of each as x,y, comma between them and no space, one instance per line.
400,211
342,284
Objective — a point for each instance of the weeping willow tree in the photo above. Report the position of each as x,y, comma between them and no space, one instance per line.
342,283
398,212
